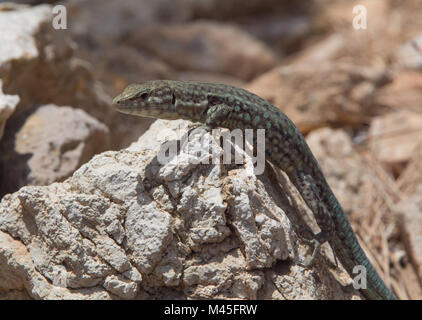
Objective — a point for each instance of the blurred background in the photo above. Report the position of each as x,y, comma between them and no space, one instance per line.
348,73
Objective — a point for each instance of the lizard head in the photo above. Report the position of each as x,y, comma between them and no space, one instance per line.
154,99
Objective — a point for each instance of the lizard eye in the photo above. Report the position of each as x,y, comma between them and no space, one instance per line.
144,96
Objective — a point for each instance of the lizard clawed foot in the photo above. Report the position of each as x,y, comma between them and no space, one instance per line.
317,244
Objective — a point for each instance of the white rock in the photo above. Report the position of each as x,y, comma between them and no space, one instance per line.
116,229
7,107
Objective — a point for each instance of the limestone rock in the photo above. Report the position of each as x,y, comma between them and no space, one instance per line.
409,55
404,93
143,223
206,46
409,211
38,66
50,145
7,107
37,63
395,137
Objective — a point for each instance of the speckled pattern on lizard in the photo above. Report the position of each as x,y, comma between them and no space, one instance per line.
218,105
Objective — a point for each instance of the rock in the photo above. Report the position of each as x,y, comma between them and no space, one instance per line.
18,28
208,47
341,165
121,287
409,213
27,263
7,107
132,15
394,137
404,93
141,223
51,144
36,63
283,30
38,66
409,55
231,9
321,52
410,178
118,66
122,18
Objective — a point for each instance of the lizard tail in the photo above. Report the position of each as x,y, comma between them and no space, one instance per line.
350,254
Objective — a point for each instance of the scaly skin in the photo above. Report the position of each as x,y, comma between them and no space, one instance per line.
218,105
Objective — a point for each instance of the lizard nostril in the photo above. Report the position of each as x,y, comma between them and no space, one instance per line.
116,101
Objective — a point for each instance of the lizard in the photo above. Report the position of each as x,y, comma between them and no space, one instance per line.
218,105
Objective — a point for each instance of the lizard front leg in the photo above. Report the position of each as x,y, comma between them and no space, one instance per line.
217,115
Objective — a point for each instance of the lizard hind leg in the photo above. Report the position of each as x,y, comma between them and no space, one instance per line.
309,192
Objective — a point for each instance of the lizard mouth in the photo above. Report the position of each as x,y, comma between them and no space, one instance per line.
121,104
132,107
121,107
